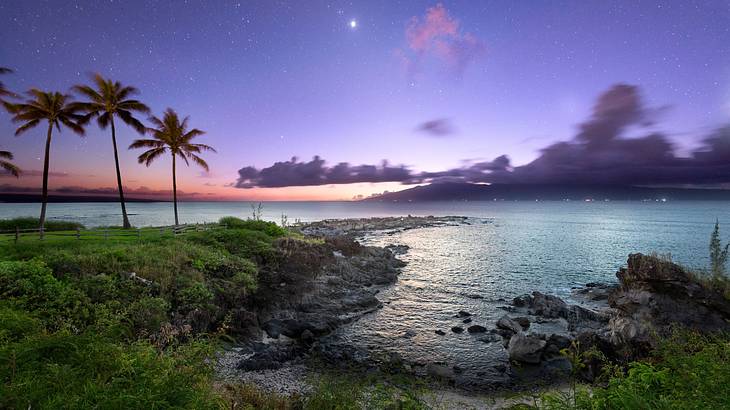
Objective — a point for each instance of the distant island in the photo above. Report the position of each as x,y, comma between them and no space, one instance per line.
457,191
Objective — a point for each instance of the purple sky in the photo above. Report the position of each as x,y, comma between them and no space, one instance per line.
419,83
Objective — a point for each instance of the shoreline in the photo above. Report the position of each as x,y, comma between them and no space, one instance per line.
280,361
534,329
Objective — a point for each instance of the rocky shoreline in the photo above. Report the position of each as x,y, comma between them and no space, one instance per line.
343,285
621,321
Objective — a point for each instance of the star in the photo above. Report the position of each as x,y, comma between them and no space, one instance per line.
353,24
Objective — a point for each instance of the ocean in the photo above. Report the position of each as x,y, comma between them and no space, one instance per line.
509,248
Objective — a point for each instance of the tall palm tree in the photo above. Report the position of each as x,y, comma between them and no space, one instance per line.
4,92
108,100
5,157
173,135
54,108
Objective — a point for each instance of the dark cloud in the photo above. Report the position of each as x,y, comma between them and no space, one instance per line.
599,153
315,172
441,127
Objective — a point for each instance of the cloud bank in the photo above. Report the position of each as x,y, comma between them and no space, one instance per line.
599,153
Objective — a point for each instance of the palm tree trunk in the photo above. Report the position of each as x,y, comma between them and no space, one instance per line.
125,218
44,195
174,189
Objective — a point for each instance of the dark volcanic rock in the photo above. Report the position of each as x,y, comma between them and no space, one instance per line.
457,329
525,348
467,320
440,332
523,321
654,295
463,313
476,329
508,324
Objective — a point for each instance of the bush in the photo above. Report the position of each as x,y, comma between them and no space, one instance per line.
32,287
194,296
687,371
269,228
34,223
148,314
61,370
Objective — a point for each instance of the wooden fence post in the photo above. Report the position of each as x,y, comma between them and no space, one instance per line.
17,234
40,233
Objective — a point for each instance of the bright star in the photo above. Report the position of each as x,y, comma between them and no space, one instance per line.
353,23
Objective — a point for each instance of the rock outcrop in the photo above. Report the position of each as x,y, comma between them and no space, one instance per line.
653,297
656,295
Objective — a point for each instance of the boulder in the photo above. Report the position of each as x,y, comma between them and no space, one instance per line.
523,321
457,329
476,329
507,323
525,348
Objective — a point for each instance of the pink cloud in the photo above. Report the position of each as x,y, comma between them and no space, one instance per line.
439,35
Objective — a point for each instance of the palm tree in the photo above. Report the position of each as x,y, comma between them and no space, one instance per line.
173,135
4,91
108,100
54,108
5,157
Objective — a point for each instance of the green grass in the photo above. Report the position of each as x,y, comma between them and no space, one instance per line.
78,331
34,223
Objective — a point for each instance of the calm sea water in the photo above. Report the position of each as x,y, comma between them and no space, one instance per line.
510,249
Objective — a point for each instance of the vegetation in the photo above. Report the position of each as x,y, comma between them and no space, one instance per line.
173,135
687,371
54,108
5,157
34,223
718,253
77,329
4,92
108,100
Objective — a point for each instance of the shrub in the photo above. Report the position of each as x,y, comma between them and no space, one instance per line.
16,324
718,253
32,287
148,314
62,370
269,228
194,296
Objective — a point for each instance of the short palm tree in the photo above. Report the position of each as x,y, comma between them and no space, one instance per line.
5,157
54,108
109,99
173,135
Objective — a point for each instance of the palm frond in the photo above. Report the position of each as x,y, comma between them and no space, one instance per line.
129,119
200,161
146,143
147,157
27,126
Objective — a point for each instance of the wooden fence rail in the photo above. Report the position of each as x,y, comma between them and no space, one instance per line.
174,230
